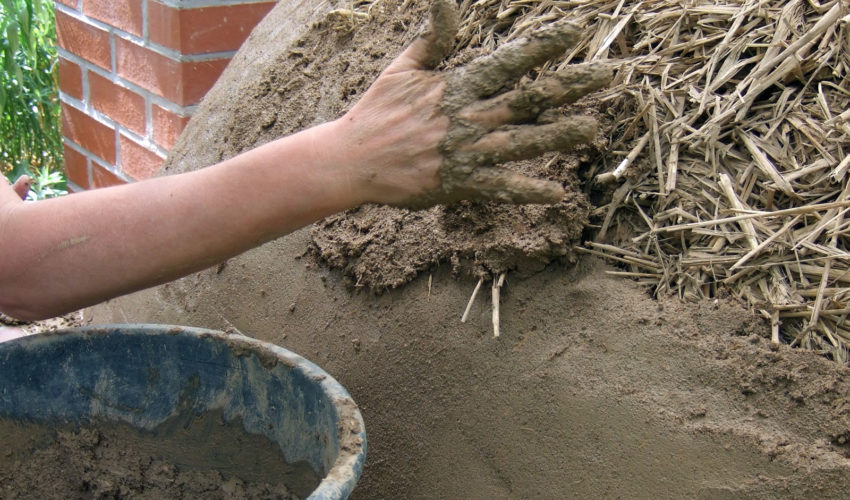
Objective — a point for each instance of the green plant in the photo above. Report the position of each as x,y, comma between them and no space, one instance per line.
30,138
47,183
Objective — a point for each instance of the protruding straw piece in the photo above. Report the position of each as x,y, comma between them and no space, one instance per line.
497,287
471,301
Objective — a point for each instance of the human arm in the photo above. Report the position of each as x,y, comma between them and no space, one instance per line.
21,187
392,147
65,253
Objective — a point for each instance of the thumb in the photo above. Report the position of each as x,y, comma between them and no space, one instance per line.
427,51
22,186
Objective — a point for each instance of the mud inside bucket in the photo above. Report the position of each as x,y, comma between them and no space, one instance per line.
151,407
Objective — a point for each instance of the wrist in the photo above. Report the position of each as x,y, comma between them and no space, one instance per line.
334,165
339,150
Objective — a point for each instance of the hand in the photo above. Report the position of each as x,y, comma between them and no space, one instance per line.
423,137
22,186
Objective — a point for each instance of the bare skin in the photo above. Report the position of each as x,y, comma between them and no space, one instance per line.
416,138
22,186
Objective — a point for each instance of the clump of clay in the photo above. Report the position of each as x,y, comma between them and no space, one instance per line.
383,247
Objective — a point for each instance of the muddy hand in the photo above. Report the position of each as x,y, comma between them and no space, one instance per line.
486,129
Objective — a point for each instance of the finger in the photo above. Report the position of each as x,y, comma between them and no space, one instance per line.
527,102
528,141
22,186
507,186
427,51
485,75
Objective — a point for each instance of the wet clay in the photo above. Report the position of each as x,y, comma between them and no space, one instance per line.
593,390
383,247
484,130
186,457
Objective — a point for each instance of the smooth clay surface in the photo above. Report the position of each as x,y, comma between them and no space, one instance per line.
594,390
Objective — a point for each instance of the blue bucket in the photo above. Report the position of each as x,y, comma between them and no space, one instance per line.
144,375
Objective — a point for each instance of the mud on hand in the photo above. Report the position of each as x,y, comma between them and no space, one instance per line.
487,128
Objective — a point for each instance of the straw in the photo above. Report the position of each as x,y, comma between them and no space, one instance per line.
729,146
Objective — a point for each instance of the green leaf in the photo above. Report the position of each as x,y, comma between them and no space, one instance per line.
29,105
19,75
12,30
25,27
11,69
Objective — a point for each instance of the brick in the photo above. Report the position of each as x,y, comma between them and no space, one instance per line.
125,15
76,167
199,77
103,177
184,83
206,29
121,104
164,25
138,161
70,78
88,133
148,69
167,126
69,3
84,40
220,28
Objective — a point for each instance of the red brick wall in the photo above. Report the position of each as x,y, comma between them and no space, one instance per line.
131,72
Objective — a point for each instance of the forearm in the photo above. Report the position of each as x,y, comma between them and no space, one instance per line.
69,252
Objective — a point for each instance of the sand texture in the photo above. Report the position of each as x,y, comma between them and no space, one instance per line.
593,390
185,458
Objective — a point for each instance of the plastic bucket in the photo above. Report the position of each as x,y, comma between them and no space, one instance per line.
143,375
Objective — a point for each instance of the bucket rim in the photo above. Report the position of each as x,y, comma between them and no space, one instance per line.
342,477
